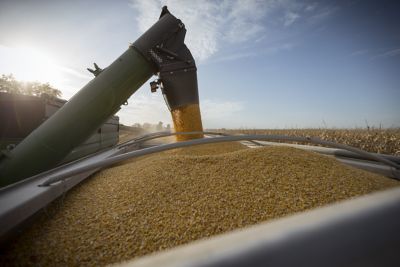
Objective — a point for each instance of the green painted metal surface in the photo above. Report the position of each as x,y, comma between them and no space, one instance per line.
80,117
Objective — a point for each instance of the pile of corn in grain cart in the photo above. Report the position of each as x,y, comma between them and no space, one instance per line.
175,197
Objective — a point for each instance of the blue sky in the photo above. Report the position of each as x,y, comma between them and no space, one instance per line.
261,64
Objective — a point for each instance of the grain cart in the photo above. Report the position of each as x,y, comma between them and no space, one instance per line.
21,114
358,232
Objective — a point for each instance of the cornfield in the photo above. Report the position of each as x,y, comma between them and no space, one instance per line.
384,141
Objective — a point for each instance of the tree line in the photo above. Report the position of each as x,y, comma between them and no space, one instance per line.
148,126
9,84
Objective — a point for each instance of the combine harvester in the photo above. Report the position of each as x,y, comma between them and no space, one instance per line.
33,174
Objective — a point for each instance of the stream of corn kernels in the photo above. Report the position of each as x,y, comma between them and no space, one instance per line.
187,119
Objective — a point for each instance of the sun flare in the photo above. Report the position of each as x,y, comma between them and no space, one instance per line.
28,63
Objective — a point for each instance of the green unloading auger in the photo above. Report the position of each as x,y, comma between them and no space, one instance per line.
160,50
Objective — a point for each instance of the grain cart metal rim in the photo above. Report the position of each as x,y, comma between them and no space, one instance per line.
394,168
25,198
22,200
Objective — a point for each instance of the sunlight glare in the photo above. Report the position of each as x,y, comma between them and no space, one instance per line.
28,63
